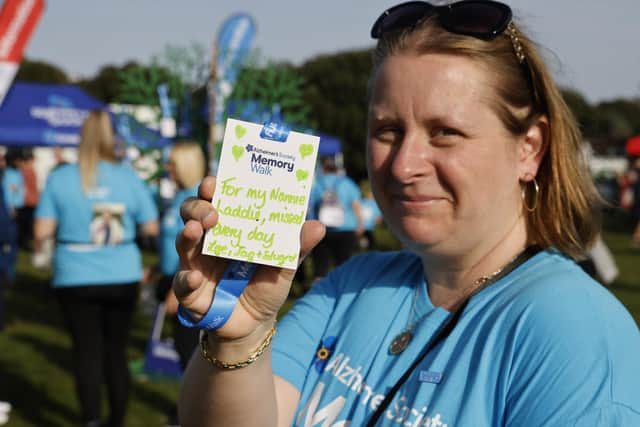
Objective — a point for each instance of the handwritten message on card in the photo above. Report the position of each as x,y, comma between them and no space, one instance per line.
261,195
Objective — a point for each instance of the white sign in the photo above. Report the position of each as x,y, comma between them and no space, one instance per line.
262,193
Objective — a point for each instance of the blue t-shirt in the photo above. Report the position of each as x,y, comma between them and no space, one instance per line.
13,188
370,213
347,193
169,228
95,233
544,346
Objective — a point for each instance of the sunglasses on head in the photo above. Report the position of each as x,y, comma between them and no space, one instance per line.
484,19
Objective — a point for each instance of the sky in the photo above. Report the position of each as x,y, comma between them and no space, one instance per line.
591,45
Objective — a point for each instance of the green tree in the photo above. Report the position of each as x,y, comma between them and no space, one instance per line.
40,72
336,91
190,64
274,86
584,112
139,84
106,85
623,117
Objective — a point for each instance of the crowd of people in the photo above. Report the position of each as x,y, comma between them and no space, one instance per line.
95,213
473,162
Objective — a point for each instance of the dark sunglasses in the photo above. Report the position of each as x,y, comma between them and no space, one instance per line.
484,19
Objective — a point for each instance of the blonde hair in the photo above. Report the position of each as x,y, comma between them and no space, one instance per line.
188,160
97,143
567,207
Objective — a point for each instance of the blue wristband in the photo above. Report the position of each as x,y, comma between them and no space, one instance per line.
234,280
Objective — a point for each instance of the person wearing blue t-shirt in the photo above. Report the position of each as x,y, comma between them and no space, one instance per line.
371,216
92,209
484,319
8,248
12,196
186,168
336,201
13,184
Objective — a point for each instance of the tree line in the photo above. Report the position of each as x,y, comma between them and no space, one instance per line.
327,93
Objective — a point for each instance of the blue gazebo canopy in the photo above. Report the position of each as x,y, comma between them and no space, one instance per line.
329,145
35,114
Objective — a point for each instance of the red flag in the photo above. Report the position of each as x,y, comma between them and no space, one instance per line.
18,18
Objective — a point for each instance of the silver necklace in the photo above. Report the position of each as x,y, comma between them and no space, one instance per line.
401,341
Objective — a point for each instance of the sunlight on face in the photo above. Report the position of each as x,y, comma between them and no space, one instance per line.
443,167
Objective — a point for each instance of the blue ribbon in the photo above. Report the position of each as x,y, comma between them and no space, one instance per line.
234,280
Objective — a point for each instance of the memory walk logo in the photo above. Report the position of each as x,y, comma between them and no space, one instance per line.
263,162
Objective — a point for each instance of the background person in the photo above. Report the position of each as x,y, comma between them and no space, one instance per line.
484,319
8,249
13,183
8,256
96,284
186,168
371,216
13,200
25,164
336,200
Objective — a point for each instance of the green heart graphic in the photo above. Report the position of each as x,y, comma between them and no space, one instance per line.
302,174
237,151
306,150
240,131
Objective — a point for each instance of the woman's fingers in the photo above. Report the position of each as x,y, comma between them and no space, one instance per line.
199,210
206,188
190,287
312,232
189,241
186,282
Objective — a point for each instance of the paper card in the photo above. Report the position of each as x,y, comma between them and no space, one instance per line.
262,193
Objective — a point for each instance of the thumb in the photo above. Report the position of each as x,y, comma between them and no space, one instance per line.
312,233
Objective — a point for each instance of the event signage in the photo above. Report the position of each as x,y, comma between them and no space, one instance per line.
18,18
167,122
262,192
232,47
233,44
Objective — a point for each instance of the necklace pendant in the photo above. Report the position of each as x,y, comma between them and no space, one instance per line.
400,342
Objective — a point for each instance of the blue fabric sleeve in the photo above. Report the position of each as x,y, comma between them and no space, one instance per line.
356,195
562,372
46,207
14,188
302,328
146,207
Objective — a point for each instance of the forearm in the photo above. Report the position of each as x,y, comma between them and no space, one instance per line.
43,229
211,396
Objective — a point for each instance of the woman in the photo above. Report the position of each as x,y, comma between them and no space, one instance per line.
186,168
484,320
95,276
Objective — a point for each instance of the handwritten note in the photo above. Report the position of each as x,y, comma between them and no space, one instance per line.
261,195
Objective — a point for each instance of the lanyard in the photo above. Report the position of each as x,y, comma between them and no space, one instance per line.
445,331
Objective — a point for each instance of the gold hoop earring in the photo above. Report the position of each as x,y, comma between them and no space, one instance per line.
535,196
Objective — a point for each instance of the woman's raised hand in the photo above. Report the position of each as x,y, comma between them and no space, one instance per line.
195,283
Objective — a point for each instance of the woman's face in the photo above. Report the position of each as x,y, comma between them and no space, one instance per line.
443,168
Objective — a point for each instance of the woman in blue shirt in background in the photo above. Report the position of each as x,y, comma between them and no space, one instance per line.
93,209
186,168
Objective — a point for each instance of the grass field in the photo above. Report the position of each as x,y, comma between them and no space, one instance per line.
35,359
